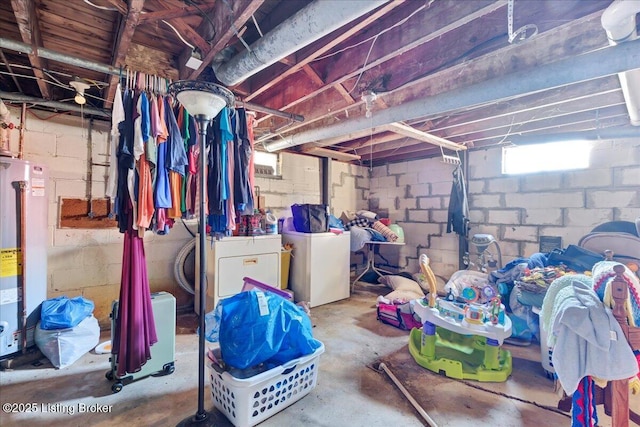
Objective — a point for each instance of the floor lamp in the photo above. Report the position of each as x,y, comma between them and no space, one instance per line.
204,101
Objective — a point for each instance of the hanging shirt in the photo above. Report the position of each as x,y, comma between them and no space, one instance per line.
175,186
162,192
126,163
154,117
243,153
224,124
251,120
214,174
176,154
140,124
145,193
230,205
117,116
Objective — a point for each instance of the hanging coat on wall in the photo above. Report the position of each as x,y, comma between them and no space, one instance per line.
458,216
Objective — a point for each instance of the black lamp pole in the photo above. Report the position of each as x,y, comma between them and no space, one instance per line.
204,101
203,121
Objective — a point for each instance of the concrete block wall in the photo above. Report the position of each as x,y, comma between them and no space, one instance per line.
301,182
415,195
517,210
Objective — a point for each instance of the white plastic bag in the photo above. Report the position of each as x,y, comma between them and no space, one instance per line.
64,346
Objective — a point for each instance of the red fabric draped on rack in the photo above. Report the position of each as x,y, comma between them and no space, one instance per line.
135,330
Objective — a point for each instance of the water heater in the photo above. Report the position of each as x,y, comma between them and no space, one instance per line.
23,254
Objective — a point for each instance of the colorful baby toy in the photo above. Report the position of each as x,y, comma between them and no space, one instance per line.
461,339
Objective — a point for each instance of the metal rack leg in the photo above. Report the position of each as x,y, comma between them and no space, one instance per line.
370,266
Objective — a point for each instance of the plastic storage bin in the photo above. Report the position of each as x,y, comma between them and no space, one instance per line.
249,401
250,283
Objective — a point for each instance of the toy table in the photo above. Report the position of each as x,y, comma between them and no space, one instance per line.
450,344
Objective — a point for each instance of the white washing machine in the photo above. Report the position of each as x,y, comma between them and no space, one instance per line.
319,266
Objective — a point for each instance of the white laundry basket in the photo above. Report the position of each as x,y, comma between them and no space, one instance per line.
545,351
249,401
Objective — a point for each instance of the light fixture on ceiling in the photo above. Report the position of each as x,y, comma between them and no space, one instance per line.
80,87
195,60
368,98
204,101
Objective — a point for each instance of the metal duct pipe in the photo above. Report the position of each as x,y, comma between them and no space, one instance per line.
57,56
308,25
619,21
107,69
8,96
589,66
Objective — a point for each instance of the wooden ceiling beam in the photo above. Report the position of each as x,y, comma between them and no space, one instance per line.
173,13
123,41
27,19
587,29
396,154
120,5
576,122
332,154
516,122
592,116
227,16
185,30
409,132
432,27
597,93
267,79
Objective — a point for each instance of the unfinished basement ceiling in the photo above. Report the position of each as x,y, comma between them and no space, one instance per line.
434,73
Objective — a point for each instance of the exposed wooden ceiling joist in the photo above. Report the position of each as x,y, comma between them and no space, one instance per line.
332,154
123,41
415,55
25,13
173,13
409,132
227,17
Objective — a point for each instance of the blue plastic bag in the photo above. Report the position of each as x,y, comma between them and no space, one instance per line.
256,327
62,312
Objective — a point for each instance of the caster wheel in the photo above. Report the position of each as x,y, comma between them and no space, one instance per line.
109,375
169,369
117,387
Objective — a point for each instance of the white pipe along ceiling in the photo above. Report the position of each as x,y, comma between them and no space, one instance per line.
593,65
619,21
308,25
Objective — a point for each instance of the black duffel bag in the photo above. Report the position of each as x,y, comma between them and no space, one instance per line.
574,257
309,218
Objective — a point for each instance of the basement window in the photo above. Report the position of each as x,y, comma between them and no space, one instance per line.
554,156
266,164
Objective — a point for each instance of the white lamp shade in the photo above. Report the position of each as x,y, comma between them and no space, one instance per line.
201,98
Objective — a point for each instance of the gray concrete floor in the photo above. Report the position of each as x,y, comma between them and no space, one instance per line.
350,390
